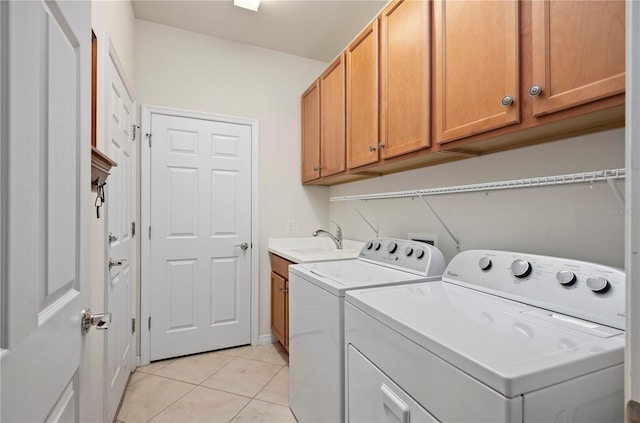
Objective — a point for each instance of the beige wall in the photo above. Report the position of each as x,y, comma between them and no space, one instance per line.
583,222
185,70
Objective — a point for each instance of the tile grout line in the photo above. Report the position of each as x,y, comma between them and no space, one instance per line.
178,399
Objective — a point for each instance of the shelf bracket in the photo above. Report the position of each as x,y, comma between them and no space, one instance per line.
373,228
616,191
444,225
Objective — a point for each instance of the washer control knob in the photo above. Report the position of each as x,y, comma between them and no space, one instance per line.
598,284
408,251
566,277
419,253
520,268
485,263
376,245
392,247
369,245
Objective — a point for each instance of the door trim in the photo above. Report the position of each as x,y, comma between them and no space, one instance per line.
145,198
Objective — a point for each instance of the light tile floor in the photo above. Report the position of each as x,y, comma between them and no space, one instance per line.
245,384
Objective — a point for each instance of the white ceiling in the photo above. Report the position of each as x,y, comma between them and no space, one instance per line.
317,29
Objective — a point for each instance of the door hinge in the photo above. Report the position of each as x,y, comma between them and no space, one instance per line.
149,322
133,229
149,231
133,132
133,325
148,135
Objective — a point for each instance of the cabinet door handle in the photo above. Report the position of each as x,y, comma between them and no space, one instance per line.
380,146
283,290
394,404
507,100
372,148
535,90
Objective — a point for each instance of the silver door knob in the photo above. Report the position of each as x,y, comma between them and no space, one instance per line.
112,238
116,262
100,321
242,246
507,100
535,90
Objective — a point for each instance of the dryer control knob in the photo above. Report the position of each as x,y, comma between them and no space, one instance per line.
419,254
598,284
520,268
408,251
369,245
566,277
376,245
485,263
392,247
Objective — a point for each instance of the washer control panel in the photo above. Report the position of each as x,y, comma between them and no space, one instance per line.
413,256
581,289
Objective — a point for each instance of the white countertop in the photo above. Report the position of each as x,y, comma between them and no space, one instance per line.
313,249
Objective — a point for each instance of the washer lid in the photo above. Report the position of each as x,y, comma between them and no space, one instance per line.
339,276
512,347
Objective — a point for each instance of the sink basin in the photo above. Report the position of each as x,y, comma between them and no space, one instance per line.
313,249
322,250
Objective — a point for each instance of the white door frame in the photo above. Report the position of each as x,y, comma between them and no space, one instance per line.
145,197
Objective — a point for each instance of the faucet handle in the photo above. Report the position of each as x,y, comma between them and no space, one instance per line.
339,228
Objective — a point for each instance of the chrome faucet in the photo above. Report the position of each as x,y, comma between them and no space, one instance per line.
337,238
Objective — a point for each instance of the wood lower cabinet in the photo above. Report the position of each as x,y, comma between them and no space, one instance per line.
578,53
476,67
405,90
280,299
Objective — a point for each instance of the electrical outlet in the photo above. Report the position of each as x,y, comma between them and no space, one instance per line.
291,226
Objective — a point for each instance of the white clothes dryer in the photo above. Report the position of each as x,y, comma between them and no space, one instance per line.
504,337
316,317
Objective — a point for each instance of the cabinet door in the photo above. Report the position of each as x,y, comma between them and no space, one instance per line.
404,78
311,132
279,310
332,118
362,98
476,67
578,52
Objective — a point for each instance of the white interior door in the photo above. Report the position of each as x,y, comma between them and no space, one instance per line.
120,342
200,217
46,195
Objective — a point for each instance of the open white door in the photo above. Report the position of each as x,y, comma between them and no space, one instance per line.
632,218
46,71
201,194
119,289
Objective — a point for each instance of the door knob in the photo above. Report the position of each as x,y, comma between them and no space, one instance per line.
112,238
100,321
242,246
116,262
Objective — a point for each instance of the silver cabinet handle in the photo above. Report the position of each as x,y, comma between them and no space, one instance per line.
100,321
372,148
507,100
116,262
242,246
535,90
381,146
283,290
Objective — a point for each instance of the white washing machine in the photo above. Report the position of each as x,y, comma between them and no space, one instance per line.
316,317
504,337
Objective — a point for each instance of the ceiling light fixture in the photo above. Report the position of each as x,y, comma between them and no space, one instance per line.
247,4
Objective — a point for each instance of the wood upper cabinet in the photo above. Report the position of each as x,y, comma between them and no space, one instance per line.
332,118
578,52
405,93
311,132
476,72
362,98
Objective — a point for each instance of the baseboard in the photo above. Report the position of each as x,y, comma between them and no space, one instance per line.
266,339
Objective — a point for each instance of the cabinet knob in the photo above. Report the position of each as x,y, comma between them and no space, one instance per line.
283,290
372,148
535,90
380,146
507,100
